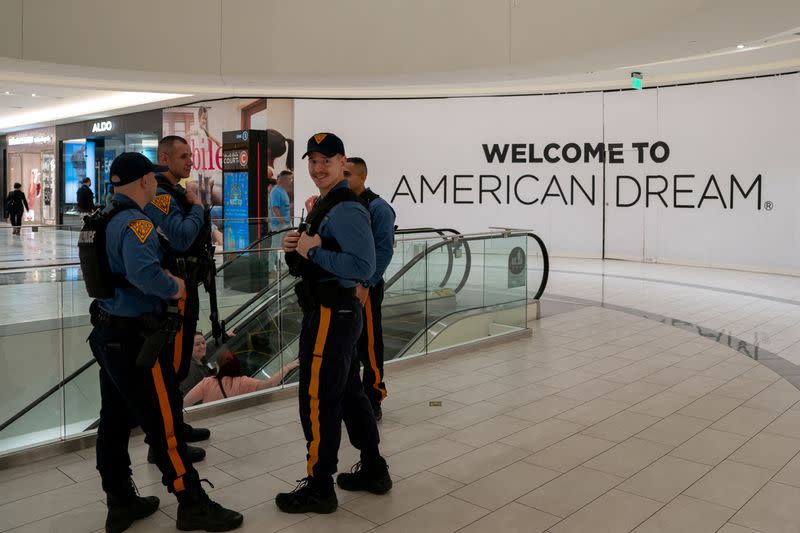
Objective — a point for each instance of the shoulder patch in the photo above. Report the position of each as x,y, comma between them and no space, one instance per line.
141,228
161,201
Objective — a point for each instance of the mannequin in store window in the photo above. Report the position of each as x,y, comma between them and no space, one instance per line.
16,205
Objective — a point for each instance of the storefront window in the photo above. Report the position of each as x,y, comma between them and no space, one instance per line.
31,162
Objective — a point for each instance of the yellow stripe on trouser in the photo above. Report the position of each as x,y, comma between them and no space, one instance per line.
169,430
313,386
177,349
371,349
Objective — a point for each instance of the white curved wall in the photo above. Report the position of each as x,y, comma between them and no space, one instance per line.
745,128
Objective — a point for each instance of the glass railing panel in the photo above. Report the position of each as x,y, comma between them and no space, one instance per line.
37,245
405,303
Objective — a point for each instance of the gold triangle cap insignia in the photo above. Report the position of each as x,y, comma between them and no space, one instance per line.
162,203
141,228
319,137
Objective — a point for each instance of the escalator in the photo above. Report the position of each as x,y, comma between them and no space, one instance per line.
439,284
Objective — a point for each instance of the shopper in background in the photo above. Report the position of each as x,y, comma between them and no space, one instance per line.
16,205
109,195
279,216
85,197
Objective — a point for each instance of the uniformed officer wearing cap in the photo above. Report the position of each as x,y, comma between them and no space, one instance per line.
334,254
132,394
180,216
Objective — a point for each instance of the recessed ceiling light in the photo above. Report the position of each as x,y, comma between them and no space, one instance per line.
33,94
740,46
7,93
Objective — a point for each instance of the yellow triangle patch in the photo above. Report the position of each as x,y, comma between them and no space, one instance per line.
141,228
319,137
162,203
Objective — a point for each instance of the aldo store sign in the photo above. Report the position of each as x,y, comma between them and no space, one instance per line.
102,126
702,174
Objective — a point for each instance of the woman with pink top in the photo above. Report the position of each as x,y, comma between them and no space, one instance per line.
229,381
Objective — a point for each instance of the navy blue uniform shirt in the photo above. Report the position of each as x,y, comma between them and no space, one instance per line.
347,223
134,251
181,229
383,218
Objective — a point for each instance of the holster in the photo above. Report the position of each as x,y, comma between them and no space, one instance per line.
157,332
311,295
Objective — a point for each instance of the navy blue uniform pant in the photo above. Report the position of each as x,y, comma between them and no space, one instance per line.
130,396
330,390
370,346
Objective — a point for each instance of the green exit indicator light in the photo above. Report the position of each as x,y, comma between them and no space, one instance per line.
636,80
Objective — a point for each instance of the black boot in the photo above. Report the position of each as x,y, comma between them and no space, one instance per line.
197,512
372,477
192,434
125,507
311,496
193,453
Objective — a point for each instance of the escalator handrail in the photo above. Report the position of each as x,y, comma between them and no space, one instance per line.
240,253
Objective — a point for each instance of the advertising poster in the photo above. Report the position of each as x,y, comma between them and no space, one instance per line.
236,228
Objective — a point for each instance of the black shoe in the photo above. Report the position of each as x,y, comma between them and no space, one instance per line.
196,511
372,478
191,434
193,453
378,412
125,507
310,496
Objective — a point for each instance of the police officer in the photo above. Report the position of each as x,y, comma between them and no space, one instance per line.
370,292
333,255
179,214
131,392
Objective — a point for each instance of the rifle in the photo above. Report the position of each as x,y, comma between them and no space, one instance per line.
209,280
158,331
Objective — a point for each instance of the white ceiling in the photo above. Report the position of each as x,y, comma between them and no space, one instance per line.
377,49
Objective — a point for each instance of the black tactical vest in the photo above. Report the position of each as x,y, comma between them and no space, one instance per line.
196,248
97,275
305,268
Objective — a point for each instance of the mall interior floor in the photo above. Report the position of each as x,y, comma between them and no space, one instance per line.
644,401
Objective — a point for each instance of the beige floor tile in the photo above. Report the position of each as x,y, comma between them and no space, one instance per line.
570,452
606,365
481,462
772,509
425,456
674,430
621,426
593,411
568,379
632,373
568,493
761,372
478,393
711,407
700,362
397,441
789,474
37,483
27,469
729,484
745,421
629,457
265,461
742,388
88,518
545,408
419,412
542,435
490,430
440,516
528,377
733,528
787,424
513,518
697,386
406,495
685,515
251,492
590,390
726,370
261,440
670,376
662,404
237,428
634,393
523,395
49,504
342,521
665,479
613,512
467,416
505,485
774,399
460,381
768,451
709,447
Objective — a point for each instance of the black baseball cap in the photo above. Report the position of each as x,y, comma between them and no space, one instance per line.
128,167
325,143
